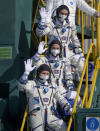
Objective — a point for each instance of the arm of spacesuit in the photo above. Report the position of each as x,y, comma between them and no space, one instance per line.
68,75
43,28
49,9
41,50
85,7
36,59
24,79
62,101
75,41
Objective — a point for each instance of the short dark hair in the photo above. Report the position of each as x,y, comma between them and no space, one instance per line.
61,8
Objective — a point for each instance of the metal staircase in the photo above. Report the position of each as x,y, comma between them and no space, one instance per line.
90,105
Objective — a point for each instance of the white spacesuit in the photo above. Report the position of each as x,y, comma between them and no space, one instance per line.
51,5
66,34
61,72
41,99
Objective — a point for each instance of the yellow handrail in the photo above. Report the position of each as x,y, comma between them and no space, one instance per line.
35,14
78,16
92,24
86,19
98,32
24,119
93,85
79,87
82,28
43,3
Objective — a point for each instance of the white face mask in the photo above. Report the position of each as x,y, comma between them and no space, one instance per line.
44,78
62,17
55,52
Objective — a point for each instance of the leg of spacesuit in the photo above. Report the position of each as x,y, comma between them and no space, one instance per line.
36,121
56,124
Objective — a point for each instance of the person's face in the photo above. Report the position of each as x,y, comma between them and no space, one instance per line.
55,50
44,73
55,47
63,15
63,12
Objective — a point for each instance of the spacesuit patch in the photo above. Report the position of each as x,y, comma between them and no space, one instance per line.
56,71
36,100
64,38
71,3
45,99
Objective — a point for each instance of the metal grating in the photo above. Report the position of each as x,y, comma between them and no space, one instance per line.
5,53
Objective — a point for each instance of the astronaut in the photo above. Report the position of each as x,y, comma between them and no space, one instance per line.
61,72
61,29
41,98
51,6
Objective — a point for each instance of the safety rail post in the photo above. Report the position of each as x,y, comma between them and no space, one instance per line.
93,86
35,14
82,29
86,19
78,16
92,24
33,35
24,119
43,3
98,33
86,100
45,40
79,88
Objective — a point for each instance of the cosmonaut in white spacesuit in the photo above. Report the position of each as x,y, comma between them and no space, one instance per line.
61,72
41,98
51,6
61,29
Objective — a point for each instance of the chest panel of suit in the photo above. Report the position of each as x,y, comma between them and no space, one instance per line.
43,98
57,72
64,37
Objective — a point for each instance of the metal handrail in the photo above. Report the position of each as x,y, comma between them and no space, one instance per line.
79,87
24,119
98,33
43,3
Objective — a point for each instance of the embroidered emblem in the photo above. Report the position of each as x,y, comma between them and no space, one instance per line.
36,100
45,99
71,3
56,71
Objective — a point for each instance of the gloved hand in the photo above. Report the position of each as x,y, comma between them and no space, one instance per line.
67,107
71,95
28,66
97,14
43,14
70,111
41,49
70,88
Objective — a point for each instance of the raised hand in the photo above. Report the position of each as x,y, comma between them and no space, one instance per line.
28,66
43,14
41,49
